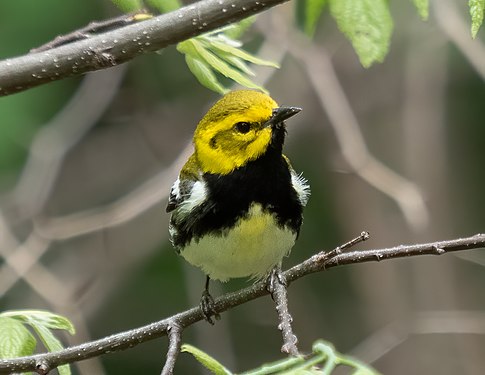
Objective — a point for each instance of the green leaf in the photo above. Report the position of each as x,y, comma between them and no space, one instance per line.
223,68
164,6
423,8
237,62
204,74
128,6
196,50
51,343
42,322
42,317
227,48
199,68
313,10
367,24
476,12
206,360
215,52
15,339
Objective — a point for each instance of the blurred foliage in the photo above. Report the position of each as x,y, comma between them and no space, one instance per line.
313,10
477,8
367,24
422,6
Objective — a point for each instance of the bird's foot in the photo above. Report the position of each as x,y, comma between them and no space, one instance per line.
207,307
274,277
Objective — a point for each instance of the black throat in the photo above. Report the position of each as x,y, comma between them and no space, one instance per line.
266,180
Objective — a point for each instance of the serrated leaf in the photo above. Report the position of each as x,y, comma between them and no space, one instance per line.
313,10
204,74
224,47
206,360
477,8
42,317
422,7
164,6
51,343
128,6
15,339
367,24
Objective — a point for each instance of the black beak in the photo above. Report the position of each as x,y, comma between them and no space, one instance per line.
280,114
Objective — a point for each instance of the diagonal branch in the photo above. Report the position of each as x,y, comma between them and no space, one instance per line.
316,263
123,44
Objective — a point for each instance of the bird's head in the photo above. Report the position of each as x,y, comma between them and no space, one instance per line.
239,128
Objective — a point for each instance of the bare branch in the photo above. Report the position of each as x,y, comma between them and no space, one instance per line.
280,297
316,263
123,44
174,344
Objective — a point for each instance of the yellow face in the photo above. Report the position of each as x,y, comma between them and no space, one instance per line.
233,132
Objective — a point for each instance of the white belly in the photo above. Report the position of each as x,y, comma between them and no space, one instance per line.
252,248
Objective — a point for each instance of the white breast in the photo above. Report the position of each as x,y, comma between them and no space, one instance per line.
251,249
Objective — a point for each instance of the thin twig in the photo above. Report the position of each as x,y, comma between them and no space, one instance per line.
95,27
127,339
280,298
364,236
174,344
123,44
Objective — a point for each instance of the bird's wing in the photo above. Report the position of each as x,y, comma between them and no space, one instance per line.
182,187
299,183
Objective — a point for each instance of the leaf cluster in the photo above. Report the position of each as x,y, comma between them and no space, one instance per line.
16,340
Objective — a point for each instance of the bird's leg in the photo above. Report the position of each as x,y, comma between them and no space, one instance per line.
207,304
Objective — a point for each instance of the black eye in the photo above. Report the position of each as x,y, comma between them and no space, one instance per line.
242,127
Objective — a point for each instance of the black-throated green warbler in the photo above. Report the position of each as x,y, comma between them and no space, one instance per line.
237,204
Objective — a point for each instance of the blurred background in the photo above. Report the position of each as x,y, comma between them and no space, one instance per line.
86,165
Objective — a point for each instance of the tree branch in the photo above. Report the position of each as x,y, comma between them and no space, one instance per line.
318,262
174,345
280,298
123,44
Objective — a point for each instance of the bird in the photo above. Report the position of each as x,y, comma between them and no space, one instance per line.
237,204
